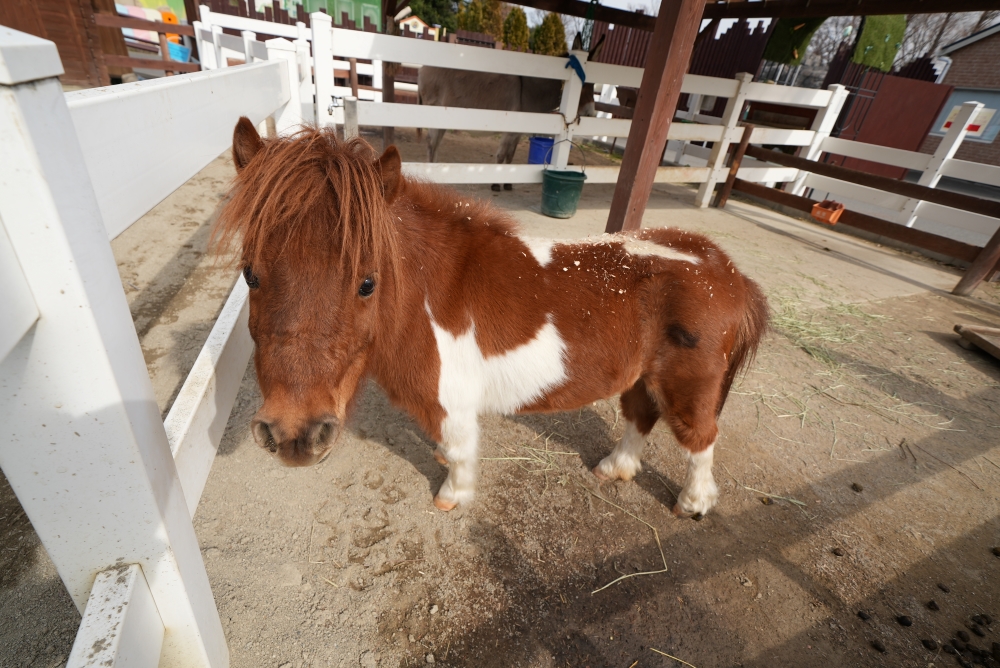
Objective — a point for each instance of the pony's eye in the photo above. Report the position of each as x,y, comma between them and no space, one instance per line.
367,287
252,281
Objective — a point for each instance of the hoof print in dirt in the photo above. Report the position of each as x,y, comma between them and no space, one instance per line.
508,186
879,645
948,649
944,588
932,605
838,552
963,636
978,630
864,615
996,551
930,644
495,187
903,620
857,488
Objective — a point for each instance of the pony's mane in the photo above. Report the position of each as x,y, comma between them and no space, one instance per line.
308,194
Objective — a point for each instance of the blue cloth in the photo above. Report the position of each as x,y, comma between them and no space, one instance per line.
577,66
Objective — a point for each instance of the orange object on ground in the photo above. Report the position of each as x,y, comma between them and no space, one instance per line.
827,211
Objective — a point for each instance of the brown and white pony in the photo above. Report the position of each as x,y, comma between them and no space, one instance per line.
356,271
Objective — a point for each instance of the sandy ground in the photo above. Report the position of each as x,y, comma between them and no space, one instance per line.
859,467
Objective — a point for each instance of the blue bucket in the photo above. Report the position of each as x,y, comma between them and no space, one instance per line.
540,150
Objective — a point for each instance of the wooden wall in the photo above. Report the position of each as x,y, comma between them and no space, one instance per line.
68,23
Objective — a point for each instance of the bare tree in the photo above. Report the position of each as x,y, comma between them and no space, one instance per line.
926,33
827,39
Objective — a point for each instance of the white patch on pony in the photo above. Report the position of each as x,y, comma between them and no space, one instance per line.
471,384
540,248
700,491
623,462
646,247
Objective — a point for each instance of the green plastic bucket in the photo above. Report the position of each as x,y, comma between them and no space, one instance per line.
561,192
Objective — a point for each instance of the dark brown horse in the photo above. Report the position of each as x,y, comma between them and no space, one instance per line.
356,271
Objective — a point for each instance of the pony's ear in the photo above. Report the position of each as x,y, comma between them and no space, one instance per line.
246,143
390,166
577,42
596,49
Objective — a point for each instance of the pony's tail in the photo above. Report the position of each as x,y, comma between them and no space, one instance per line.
750,331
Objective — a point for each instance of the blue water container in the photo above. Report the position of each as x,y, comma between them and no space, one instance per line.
540,150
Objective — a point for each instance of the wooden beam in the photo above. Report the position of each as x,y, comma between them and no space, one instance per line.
601,13
982,267
734,167
800,9
113,21
984,207
667,61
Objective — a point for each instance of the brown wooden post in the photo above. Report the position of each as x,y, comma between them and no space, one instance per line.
354,76
981,268
666,63
389,10
734,166
165,52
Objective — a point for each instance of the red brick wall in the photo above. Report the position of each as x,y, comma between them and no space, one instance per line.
975,66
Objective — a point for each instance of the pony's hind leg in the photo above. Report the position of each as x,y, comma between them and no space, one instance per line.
434,138
641,414
460,448
505,154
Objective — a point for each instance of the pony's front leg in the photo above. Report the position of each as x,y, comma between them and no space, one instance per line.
460,448
700,492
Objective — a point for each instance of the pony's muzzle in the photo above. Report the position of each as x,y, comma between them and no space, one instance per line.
306,448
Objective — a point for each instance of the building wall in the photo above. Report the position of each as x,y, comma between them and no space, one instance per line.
976,66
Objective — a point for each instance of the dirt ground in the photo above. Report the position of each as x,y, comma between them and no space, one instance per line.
859,467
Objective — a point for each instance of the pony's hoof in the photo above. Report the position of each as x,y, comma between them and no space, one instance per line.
508,186
439,458
600,476
495,187
684,514
441,504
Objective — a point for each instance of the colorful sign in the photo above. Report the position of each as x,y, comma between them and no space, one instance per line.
984,126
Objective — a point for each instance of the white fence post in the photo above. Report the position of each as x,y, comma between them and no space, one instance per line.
569,108
220,60
822,125
306,89
84,447
248,39
290,115
322,46
350,117
946,150
716,162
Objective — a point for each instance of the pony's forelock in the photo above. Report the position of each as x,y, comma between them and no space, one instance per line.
308,194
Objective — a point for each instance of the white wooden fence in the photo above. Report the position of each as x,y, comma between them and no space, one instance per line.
109,487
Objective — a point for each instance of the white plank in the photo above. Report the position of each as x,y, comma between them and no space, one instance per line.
872,196
972,171
702,85
618,75
84,447
950,231
964,220
471,173
19,309
120,627
375,46
398,115
231,42
797,97
184,121
781,136
242,23
198,416
883,154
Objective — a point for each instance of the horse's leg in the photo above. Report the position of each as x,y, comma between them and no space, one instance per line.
505,154
460,448
434,138
691,402
512,140
641,414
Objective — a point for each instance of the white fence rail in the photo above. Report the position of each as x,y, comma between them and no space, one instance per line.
109,488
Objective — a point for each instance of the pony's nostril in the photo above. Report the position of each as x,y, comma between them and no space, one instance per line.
265,438
322,433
